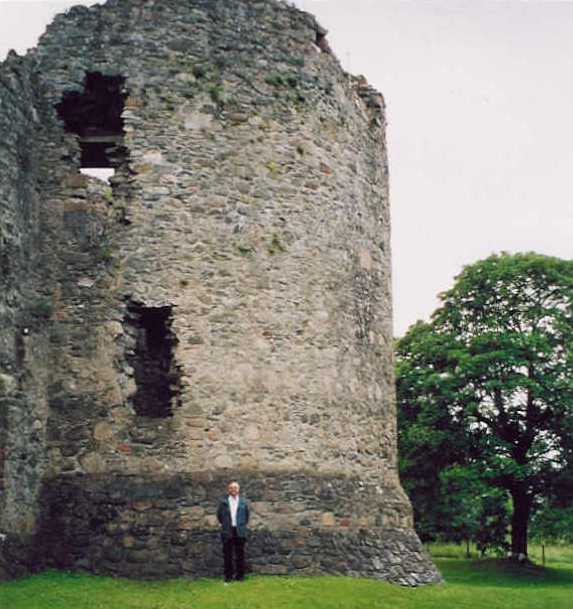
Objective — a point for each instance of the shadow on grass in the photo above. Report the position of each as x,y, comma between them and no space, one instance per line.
502,573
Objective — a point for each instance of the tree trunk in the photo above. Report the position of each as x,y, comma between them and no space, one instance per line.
520,520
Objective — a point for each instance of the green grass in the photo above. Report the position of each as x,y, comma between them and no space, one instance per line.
470,584
553,553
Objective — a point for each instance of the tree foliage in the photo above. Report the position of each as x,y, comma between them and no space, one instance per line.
488,383
553,519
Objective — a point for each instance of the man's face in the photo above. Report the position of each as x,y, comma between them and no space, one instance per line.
233,489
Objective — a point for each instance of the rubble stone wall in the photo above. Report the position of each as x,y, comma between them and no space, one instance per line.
236,270
164,526
23,311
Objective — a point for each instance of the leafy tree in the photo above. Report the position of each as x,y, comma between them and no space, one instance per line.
553,518
477,511
429,438
451,500
495,366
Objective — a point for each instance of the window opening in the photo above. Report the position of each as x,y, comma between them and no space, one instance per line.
157,377
94,115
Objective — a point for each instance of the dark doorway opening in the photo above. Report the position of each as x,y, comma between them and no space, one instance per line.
94,115
157,377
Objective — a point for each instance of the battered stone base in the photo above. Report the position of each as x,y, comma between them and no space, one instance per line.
394,555
164,527
17,556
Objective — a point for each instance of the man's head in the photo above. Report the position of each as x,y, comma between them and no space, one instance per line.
233,488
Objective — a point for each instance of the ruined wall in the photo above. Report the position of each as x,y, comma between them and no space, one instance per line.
224,307
23,309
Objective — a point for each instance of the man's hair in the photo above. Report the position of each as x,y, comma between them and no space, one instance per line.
233,482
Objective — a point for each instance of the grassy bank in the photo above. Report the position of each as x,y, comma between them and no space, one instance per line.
470,584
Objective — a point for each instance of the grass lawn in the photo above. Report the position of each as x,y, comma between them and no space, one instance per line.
470,584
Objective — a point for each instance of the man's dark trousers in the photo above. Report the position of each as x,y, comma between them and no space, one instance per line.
234,545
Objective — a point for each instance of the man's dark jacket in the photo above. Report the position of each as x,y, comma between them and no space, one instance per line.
224,518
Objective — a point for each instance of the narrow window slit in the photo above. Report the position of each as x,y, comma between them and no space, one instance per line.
157,377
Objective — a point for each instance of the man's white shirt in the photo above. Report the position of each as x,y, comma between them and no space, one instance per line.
233,506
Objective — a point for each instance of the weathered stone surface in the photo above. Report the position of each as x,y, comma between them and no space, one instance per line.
221,309
115,526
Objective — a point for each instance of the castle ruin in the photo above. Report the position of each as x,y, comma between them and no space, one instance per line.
221,308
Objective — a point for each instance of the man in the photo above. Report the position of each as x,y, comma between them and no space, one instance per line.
233,515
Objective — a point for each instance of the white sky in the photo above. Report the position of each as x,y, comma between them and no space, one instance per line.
479,104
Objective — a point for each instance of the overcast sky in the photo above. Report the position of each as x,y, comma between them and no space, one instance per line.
479,104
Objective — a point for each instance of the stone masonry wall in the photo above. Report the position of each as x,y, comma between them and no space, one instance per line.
223,307
236,220
158,526
23,311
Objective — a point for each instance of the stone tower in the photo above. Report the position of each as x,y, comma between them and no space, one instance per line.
221,308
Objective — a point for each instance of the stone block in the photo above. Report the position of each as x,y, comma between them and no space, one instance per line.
75,180
328,519
103,432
